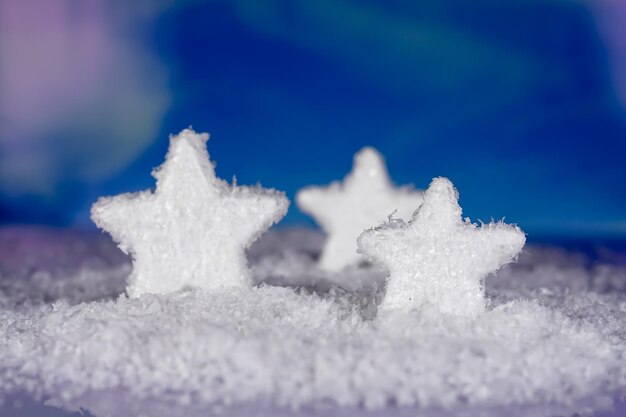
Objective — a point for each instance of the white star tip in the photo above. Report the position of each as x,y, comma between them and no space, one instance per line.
369,164
365,198
438,259
192,231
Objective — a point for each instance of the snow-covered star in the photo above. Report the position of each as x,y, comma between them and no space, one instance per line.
194,229
364,199
438,258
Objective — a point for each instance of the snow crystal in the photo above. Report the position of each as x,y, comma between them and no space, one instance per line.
438,258
364,199
545,346
193,230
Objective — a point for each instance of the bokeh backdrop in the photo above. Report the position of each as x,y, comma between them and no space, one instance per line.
522,103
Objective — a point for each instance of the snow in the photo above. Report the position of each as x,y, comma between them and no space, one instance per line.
364,199
439,259
426,327
193,230
551,341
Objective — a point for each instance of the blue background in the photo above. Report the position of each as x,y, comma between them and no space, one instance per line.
516,101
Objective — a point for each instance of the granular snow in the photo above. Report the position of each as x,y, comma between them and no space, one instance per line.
546,342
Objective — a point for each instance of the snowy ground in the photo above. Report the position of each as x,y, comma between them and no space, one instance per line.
552,343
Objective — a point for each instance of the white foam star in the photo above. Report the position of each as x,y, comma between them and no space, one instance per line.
194,229
365,198
439,258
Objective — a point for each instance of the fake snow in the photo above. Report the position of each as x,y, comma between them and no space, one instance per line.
552,340
203,333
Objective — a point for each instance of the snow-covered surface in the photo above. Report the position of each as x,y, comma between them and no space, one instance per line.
552,341
194,228
439,259
365,198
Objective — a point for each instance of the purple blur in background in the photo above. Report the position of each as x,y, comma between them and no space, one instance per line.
521,103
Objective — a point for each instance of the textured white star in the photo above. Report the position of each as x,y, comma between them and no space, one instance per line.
365,198
438,258
194,229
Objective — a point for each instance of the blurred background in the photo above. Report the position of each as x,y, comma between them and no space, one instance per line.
522,103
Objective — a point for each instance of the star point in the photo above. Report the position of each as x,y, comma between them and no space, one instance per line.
438,258
365,198
194,228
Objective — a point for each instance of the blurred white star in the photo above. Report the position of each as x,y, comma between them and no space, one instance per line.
364,199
